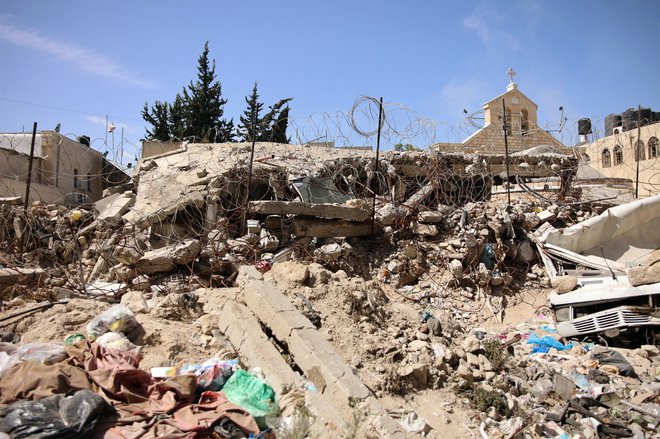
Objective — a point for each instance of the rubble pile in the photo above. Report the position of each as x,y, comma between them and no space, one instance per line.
401,298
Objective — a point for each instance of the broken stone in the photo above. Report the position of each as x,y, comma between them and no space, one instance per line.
434,326
135,301
564,284
167,258
644,275
329,252
429,217
547,216
526,253
425,229
456,269
253,226
389,213
128,255
471,344
290,271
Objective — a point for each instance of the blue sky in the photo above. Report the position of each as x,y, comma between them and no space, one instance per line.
435,58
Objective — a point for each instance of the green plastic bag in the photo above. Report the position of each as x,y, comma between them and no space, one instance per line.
251,393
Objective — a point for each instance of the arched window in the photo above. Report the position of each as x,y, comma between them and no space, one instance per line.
640,153
607,158
618,155
524,120
653,147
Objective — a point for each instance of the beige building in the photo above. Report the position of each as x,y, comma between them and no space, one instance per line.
522,127
614,156
64,171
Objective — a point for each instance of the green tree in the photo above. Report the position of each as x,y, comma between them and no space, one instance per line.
269,128
177,119
203,100
158,117
250,126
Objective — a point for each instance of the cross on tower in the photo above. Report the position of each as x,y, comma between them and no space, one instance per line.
511,74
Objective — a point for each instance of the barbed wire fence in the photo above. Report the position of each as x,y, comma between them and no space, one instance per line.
204,193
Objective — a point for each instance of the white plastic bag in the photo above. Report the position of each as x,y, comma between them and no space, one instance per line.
46,353
115,319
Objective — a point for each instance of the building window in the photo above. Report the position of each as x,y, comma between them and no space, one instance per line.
653,147
618,155
524,121
607,158
76,182
89,182
640,153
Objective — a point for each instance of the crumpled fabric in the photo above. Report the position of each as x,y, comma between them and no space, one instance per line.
544,344
30,380
149,409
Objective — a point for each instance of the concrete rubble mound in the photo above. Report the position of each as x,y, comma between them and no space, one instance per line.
319,293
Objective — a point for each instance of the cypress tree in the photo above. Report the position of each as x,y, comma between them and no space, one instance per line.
157,116
247,128
203,100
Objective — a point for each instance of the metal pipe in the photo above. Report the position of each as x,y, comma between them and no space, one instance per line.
29,174
506,155
380,125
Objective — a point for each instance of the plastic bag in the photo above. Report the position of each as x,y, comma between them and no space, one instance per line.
115,319
7,361
212,374
544,344
119,342
46,353
73,339
54,416
609,357
252,394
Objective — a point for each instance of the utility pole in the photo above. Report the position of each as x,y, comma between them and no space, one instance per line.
29,174
380,125
638,154
106,130
506,155
121,148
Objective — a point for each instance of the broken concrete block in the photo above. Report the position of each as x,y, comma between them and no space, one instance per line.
24,276
329,252
167,258
424,229
456,269
389,213
248,273
429,217
113,207
253,226
290,271
354,210
128,255
135,301
564,284
532,221
644,275
547,216
269,243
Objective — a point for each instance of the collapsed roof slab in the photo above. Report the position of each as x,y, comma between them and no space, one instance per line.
319,210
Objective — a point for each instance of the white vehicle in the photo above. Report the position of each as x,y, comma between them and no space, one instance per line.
599,253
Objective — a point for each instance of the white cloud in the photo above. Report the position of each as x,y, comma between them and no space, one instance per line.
82,58
504,24
468,94
478,25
